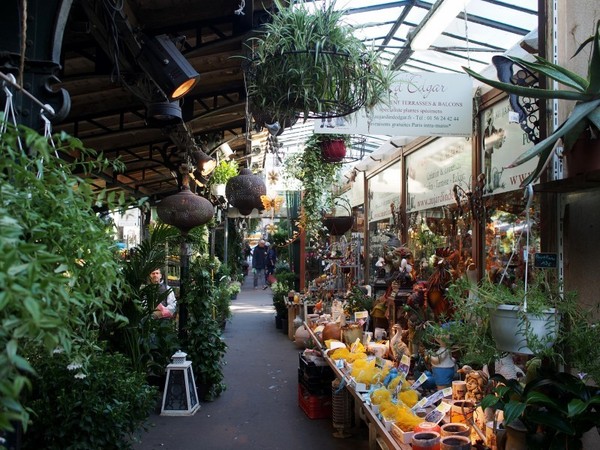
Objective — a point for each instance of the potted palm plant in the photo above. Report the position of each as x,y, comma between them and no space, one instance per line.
585,117
306,60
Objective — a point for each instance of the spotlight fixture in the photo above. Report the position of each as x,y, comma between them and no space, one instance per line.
225,151
165,64
162,114
205,163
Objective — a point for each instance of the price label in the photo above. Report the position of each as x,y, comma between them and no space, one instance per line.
358,315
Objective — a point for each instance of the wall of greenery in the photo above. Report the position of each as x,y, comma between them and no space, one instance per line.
60,277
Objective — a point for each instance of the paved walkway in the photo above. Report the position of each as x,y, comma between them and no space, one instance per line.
259,409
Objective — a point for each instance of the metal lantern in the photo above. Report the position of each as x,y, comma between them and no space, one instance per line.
180,397
244,190
185,210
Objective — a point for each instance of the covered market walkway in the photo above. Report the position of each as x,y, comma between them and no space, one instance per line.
259,409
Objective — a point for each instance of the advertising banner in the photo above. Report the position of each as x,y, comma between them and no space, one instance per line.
421,104
433,170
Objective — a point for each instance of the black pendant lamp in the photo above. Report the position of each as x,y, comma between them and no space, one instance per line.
185,210
244,190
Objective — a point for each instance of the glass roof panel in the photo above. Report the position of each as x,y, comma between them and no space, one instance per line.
483,29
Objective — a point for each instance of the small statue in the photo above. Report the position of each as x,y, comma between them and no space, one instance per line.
476,383
443,365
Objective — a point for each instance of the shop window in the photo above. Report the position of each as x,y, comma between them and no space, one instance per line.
439,232
506,231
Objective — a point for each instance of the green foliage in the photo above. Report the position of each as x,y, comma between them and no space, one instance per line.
557,403
309,60
285,283
358,301
223,172
149,343
318,178
469,329
586,92
99,408
59,271
205,346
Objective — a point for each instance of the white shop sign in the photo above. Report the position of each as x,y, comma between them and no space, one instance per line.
421,104
433,170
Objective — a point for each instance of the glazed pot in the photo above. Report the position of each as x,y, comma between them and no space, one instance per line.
426,440
455,443
333,150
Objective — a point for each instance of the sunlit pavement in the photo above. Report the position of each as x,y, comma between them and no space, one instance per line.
259,409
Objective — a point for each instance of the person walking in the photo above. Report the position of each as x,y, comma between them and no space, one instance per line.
270,263
259,262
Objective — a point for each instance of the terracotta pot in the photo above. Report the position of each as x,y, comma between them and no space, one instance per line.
332,330
334,150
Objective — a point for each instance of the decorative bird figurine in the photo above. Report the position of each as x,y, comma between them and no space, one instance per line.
397,346
273,128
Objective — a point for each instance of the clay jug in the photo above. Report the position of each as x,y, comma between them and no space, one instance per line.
332,330
301,337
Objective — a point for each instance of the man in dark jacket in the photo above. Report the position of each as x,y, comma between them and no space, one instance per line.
259,262
270,264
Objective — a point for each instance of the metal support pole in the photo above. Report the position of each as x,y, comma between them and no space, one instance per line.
226,240
184,265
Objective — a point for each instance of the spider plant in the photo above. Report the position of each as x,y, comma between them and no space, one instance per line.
307,61
585,92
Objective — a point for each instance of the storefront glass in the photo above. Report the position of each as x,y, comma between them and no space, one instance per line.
436,225
510,223
384,191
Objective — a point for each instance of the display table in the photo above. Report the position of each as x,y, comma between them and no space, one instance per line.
379,436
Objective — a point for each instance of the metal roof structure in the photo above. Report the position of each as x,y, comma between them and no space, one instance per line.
89,42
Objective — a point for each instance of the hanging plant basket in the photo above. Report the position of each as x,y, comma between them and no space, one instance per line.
512,329
339,225
333,150
309,62
306,82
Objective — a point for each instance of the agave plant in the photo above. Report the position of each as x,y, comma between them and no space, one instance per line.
586,94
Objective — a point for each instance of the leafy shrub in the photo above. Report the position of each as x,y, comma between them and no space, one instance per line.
100,408
205,347
59,273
